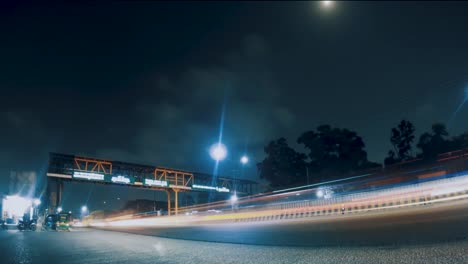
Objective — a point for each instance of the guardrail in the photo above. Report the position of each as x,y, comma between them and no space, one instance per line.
420,194
415,195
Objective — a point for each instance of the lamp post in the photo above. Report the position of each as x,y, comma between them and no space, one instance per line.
36,203
84,210
244,160
218,152
233,200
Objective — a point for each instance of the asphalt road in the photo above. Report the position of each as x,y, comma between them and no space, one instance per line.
415,225
426,234
97,246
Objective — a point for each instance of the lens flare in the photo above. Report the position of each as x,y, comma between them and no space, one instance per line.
218,151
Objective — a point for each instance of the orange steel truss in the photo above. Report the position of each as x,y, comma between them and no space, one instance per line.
62,167
174,177
93,165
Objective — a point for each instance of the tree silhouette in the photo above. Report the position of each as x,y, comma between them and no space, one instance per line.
283,166
337,152
401,138
434,143
391,158
333,151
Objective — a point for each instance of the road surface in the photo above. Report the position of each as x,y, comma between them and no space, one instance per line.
424,234
97,246
414,225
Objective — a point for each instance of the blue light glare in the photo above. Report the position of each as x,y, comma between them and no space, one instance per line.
220,137
465,99
218,151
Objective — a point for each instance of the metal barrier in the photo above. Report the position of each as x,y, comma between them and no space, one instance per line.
420,194
392,198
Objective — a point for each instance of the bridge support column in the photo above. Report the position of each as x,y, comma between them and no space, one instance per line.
168,202
49,196
59,192
176,200
54,192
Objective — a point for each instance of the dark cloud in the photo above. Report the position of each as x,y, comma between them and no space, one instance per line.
146,82
183,120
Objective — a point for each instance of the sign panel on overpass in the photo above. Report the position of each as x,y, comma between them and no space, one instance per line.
113,172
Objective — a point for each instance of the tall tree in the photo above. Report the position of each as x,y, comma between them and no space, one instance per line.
334,150
391,158
283,166
401,138
434,143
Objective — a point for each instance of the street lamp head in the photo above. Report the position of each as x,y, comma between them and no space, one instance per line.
59,209
327,3
320,193
244,159
234,198
218,151
84,208
37,202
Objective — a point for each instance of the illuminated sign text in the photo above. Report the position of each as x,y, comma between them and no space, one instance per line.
120,179
218,189
88,175
180,187
152,182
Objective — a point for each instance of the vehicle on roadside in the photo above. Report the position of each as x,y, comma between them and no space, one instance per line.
27,225
50,222
57,222
3,224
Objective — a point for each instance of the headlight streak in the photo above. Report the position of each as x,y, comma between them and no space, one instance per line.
441,190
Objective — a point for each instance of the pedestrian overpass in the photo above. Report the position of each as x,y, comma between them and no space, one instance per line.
63,168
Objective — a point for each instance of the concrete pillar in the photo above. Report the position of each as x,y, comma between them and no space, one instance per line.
59,191
168,202
176,201
51,194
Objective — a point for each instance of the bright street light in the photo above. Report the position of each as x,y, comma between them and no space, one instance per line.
320,193
327,3
16,205
59,210
218,151
244,159
37,202
325,192
84,208
234,198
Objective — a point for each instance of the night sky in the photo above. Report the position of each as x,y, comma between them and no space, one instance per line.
146,82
